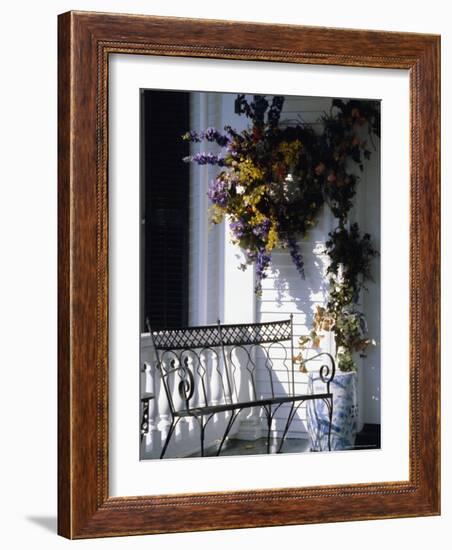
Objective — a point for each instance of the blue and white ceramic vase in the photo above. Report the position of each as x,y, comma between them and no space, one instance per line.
345,412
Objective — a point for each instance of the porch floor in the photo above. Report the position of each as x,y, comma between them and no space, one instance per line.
368,438
257,447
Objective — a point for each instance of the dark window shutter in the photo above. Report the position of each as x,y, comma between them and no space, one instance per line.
165,177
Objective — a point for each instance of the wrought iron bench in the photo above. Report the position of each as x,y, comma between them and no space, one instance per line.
192,360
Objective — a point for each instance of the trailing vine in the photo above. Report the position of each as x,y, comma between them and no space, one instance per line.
272,183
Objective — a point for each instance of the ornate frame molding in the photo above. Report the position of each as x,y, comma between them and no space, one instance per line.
85,42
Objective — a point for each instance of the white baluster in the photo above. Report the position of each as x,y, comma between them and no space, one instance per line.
146,361
214,378
149,388
154,433
144,437
249,424
164,413
217,425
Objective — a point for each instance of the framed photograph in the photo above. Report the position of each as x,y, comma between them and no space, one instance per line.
248,275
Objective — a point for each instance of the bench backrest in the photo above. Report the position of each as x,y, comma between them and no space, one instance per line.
211,365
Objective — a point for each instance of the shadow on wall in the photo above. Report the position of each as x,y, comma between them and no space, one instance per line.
290,293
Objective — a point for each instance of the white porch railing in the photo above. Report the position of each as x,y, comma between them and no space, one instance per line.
185,441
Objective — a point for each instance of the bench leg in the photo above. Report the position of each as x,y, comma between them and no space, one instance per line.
269,427
168,437
228,429
270,415
286,427
202,429
330,417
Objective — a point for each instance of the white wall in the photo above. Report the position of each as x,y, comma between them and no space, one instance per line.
28,274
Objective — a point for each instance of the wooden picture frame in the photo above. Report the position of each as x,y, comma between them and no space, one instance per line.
85,508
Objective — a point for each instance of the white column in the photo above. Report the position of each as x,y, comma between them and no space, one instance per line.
237,298
199,222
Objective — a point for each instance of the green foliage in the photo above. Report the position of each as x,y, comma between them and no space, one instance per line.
351,254
345,361
347,248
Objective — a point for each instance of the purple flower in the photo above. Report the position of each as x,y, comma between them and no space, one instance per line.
261,230
242,106
295,253
254,110
259,106
218,192
274,112
206,158
238,228
210,134
192,136
233,133
262,263
213,135
250,255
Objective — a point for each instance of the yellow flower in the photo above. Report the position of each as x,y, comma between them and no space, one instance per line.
290,151
257,218
254,197
216,214
249,172
272,239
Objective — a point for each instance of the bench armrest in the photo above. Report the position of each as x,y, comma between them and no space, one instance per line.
326,372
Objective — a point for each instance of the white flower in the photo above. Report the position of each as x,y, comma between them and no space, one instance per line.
239,189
